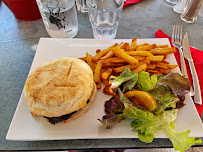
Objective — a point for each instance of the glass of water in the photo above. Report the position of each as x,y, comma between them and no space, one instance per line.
82,6
104,16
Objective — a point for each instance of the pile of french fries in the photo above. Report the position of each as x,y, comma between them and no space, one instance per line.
144,57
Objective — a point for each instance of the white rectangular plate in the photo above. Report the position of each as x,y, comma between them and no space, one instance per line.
24,127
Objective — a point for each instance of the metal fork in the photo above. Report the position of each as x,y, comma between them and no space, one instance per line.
177,42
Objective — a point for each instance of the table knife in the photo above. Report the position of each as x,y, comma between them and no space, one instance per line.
188,56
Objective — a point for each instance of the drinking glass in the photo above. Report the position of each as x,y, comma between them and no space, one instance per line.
104,16
82,6
172,1
191,10
59,17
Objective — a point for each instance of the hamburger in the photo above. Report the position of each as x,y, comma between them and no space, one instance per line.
60,90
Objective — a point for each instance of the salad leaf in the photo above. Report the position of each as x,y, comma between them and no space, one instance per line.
147,123
130,83
145,82
114,112
126,75
108,121
178,84
180,140
164,97
114,106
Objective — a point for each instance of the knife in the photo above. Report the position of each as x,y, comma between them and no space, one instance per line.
188,56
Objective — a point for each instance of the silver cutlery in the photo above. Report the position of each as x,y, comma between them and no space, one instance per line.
177,42
187,55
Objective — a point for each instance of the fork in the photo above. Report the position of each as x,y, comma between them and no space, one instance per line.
177,42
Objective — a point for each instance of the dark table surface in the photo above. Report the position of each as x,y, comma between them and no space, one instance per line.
18,43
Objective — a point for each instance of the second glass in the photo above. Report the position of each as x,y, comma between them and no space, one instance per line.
104,16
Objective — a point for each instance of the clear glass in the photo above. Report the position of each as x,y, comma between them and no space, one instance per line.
172,1
104,16
180,6
59,17
82,5
191,11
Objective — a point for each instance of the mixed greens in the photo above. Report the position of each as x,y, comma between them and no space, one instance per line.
151,103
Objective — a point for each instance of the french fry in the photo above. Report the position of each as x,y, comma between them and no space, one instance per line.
145,48
164,71
103,52
151,66
162,65
142,67
108,55
134,43
125,46
106,74
131,67
139,58
141,53
97,73
163,51
122,54
106,82
144,44
90,62
113,65
111,53
170,66
157,58
83,58
162,46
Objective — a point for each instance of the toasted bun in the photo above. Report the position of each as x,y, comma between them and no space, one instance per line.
59,87
85,109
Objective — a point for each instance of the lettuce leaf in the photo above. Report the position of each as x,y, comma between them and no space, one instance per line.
147,123
178,84
164,97
145,82
126,75
108,121
180,140
129,85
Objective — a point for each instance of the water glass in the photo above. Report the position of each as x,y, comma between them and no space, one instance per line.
104,16
82,6
191,10
172,1
59,17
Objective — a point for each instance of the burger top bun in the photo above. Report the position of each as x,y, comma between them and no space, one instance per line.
59,87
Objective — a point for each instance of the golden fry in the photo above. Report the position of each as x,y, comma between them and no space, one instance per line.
103,52
134,43
106,74
131,67
163,51
151,66
125,46
164,71
162,65
170,66
122,54
162,46
90,62
113,65
83,58
145,48
97,73
141,53
157,58
139,58
142,67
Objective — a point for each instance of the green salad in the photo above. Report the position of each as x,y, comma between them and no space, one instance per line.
151,102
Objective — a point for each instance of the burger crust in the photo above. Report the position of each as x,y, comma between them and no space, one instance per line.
59,87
